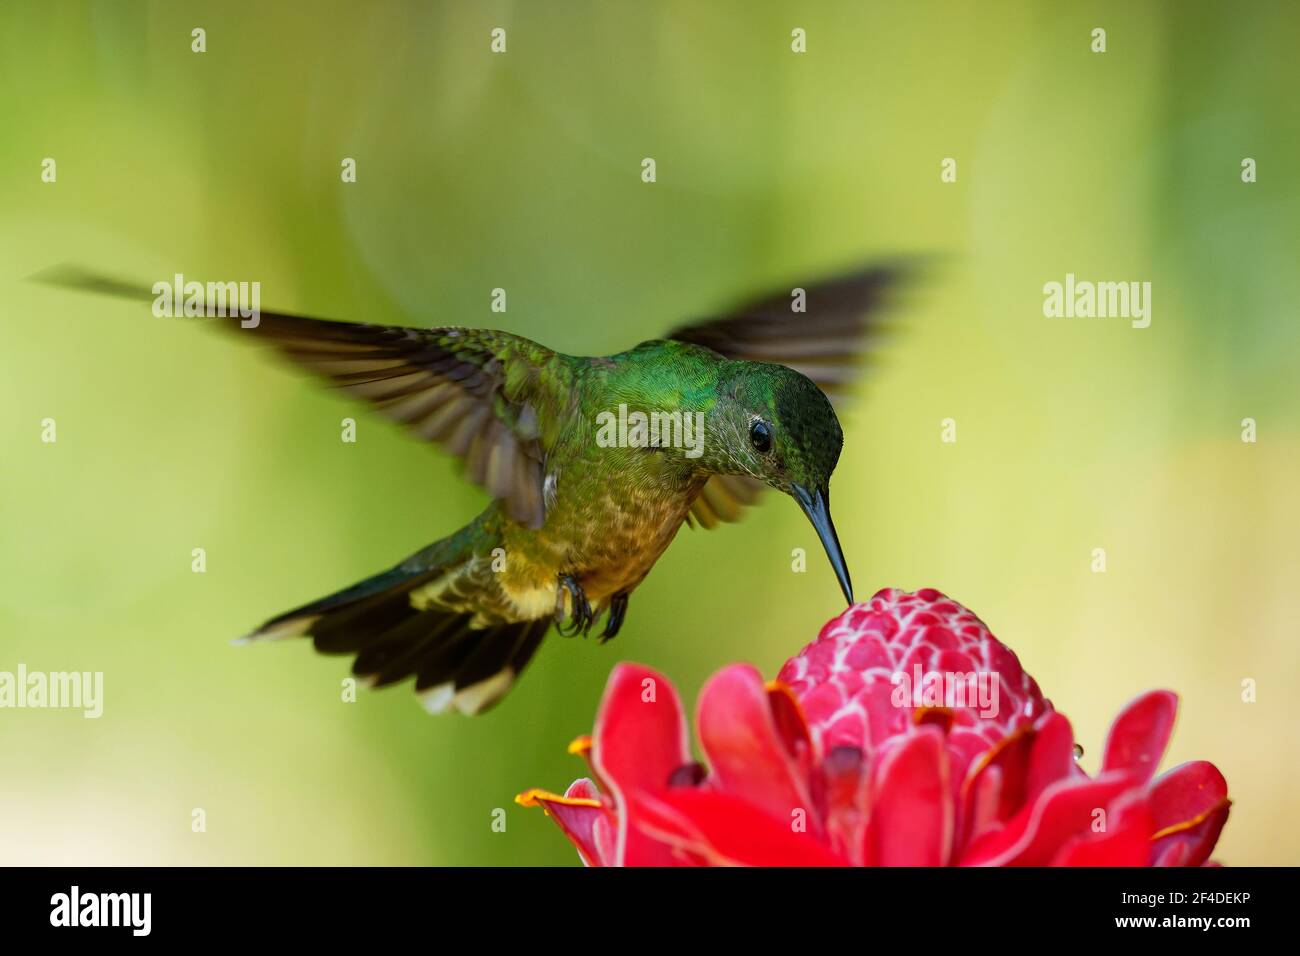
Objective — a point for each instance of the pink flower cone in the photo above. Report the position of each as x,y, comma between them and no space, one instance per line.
904,735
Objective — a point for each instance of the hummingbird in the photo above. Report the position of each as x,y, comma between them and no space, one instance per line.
575,523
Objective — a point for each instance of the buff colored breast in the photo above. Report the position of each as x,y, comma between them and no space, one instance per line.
608,536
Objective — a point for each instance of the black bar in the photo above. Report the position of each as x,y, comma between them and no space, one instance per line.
332,905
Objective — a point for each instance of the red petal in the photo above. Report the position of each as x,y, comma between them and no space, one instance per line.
1127,842
1010,756
1190,806
846,780
725,830
746,754
1169,853
1138,738
576,813
1051,756
639,740
982,801
791,725
912,814
1033,835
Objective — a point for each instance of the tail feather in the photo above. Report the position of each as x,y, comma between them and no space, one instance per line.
456,659
354,627
332,613
492,654
399,652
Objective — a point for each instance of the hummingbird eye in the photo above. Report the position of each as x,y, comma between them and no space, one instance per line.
760,436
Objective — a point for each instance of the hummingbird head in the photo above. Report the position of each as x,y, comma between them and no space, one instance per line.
774,424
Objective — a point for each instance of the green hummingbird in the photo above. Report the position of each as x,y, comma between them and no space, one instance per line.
582,508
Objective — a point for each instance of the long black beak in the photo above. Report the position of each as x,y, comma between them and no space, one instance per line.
816,505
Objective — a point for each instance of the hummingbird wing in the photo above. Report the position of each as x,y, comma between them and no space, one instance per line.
825,330
483,395
478,393
829,340
723,498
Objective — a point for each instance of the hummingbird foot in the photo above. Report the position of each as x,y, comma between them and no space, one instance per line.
580,617
617,610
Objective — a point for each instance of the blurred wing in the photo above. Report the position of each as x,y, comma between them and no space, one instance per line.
723,498
829,341
477,393
483,395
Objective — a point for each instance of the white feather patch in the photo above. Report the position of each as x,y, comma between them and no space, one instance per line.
475,697
294,627
437,700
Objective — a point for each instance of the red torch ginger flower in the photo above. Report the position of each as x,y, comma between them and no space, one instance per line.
905,734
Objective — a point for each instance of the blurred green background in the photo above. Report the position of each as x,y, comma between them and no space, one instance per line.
522,171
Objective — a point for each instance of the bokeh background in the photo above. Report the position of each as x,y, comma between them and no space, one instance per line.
522,171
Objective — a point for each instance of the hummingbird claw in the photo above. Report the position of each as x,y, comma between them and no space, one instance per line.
580,617
617,610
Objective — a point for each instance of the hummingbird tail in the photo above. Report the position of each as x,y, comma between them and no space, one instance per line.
457,659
